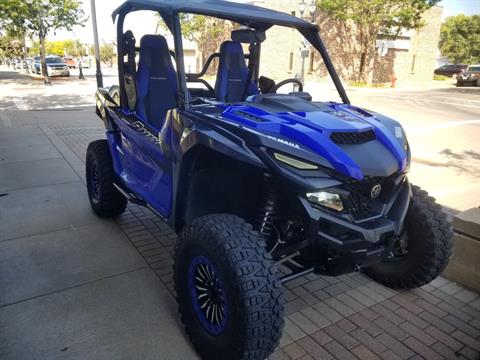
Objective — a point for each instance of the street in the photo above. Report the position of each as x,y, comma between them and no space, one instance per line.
442,123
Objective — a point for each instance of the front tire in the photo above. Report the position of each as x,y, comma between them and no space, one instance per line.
105,199
228,292
429,246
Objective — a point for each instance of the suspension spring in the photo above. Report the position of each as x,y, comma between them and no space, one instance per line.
266,227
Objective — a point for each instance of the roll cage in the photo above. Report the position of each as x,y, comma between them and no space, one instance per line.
254,17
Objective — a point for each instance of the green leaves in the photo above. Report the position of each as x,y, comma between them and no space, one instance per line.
59,14
460,39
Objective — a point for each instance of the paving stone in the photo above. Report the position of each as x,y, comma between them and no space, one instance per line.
475,304
389,355
327,311
466,295
294,351
372,343
317,318
425,295
407,304
285,339
321,295
425,305
365,324
336,289
315,285
364,353
459,324
321,337
350,302
437,322
346,325
386,313
467,339
305,295
439,281
451,288
339,351
444,338
294,306
293,330
307,326
390,328
407,315
396,346
339,306
313,348
445,351
470,353
422,349
341,336
361,297
417,333
380,289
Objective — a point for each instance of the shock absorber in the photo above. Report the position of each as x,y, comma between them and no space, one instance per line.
265,226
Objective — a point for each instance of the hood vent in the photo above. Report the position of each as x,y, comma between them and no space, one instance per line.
352,138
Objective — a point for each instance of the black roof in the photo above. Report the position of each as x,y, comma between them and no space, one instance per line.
245,14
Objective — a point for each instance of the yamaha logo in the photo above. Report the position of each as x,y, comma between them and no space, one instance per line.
375,192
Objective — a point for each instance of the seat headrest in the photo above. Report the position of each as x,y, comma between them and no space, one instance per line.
153,41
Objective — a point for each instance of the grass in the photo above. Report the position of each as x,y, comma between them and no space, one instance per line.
365,85
440,77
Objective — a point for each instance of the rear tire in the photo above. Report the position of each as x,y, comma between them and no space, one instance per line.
245,297
105,199
429,246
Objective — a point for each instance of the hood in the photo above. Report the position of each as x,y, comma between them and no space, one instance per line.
348,139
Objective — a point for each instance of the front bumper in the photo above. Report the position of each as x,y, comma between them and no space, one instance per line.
341,246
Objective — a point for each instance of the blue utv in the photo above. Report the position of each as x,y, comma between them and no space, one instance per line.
262,188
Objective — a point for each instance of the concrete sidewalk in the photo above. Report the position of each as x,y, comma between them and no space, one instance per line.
72,285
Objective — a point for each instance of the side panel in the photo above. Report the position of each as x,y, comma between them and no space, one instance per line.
143,160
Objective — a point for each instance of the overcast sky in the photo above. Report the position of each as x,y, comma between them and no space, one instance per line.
144,22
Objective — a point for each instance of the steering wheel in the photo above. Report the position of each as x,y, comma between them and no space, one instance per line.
285,82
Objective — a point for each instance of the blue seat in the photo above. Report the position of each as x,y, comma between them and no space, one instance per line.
157,88
232,75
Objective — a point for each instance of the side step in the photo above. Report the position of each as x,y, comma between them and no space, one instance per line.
136,200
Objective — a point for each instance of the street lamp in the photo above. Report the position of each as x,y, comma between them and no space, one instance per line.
307,10
41,34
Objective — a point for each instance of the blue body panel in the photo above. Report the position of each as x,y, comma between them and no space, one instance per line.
149,161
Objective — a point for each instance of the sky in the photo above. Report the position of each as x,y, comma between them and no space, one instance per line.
144,22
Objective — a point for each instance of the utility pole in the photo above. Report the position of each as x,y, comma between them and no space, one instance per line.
96,46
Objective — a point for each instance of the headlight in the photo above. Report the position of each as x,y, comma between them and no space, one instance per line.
326,199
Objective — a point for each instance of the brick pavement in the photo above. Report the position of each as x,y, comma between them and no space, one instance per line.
345,317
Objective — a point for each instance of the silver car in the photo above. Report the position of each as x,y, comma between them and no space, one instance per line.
56,66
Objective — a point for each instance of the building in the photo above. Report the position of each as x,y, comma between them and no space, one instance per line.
409,57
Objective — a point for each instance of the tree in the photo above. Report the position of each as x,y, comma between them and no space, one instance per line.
107,53
366,19
207,32
40,17
460,39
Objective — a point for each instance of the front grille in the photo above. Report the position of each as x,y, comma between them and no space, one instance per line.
352,138
360,203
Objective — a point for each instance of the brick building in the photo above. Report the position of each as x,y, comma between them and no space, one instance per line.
409,57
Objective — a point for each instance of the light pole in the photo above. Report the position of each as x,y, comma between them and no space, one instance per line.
97,48
307,12
42,10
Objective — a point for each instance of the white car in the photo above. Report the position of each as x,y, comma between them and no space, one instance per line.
56,66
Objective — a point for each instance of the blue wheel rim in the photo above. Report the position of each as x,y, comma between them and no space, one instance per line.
208,295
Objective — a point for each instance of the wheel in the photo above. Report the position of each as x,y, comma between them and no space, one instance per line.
228,293
459,83
105,199
425,250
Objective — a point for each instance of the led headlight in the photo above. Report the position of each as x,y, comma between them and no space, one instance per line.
299,164
326,199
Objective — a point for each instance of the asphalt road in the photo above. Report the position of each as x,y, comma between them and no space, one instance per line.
442,123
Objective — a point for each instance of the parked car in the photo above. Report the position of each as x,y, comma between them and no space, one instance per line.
471,76
71,63
56,66
21,64
36,66
450,70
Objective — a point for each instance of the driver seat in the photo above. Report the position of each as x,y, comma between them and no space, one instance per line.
157,88
232,74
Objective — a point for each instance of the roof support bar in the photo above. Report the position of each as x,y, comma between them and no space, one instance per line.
182,84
